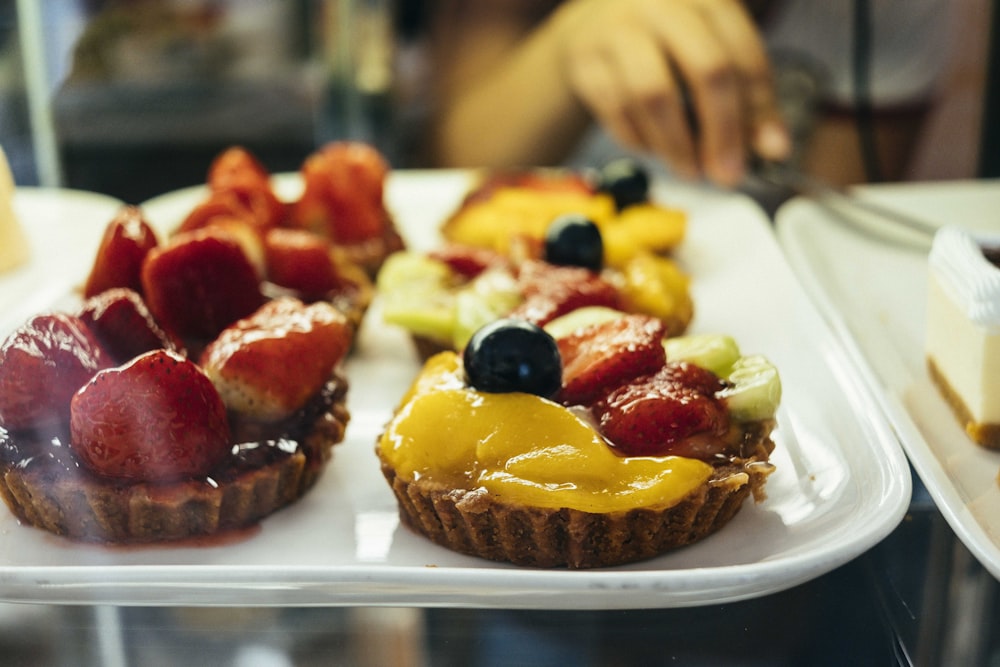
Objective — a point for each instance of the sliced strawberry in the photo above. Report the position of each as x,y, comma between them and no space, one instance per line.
124,326
236,164
237,173
672,412
222,205
126,241
301,261
200,283
467,261
551,291
157,418
269,364
41,365
603,356
342,193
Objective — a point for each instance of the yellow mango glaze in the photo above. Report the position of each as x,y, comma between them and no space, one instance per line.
523,449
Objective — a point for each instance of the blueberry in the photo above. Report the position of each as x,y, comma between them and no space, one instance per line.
626,181
573,240
513,355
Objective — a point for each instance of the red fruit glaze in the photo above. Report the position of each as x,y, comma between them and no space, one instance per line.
123,324
672,412
156,418
270,363
603,356
126,241
342,195
551,291
467,261
301,261
200,283
41,365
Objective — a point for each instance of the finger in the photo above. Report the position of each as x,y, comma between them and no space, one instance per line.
765,128
595,83
712,79
655,102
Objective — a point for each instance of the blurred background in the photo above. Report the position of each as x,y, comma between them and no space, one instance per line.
132,98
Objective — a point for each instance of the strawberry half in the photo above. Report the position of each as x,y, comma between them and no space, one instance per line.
41,365
269,364
672,412
601,357
302,261
123,324
342,193
157,418
551,291
200,283
118,263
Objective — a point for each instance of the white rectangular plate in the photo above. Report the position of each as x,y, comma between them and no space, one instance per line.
873,292
841,484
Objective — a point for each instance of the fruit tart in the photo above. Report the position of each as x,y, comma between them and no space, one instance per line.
592,442
443,296
505,206
342,201
110,433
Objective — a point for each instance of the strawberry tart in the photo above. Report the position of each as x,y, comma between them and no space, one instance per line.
592,442
186,396
341,202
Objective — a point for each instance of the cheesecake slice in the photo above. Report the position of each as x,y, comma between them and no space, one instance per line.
963,331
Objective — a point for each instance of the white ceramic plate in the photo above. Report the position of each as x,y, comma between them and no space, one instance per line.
873,293
64,228
841,484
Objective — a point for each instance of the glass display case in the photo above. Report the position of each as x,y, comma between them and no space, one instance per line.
133,100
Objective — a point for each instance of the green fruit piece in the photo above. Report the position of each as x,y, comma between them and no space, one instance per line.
415,295
421,312
489,296
714,352
403,270
563,326
756,390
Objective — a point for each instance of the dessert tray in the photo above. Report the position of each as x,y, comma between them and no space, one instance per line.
842,482
870,283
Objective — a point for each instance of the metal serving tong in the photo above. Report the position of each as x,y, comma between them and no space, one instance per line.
837,200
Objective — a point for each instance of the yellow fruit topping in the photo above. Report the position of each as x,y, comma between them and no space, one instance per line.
513,212
656,286
523,449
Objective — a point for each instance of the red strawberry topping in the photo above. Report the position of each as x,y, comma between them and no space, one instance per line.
156,418
301,261
123,324
672,412
41,365
200,283
467,261
342,195
603,356
551,291
269,364
118,263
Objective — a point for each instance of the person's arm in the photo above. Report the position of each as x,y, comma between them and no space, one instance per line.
520,85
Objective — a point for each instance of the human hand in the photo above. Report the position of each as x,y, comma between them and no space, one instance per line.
688,80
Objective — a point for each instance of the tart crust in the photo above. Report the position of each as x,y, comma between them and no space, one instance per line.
473,522
985,435
86,507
